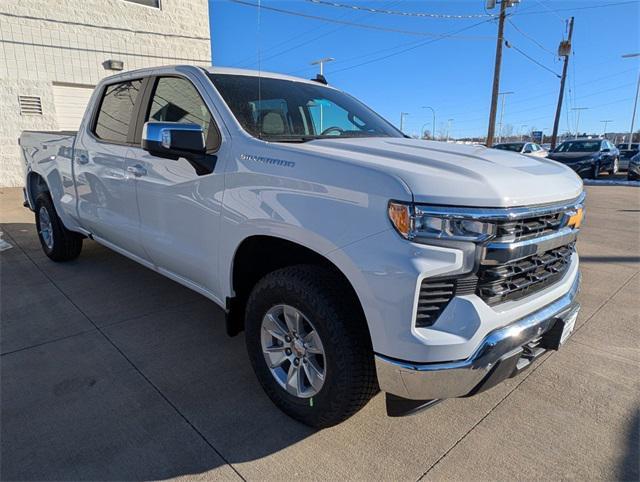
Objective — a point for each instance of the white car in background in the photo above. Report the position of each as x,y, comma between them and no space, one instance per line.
528,148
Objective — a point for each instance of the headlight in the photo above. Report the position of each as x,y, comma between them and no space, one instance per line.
416,222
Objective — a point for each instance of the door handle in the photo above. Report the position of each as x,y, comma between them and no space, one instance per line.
137,170
83,159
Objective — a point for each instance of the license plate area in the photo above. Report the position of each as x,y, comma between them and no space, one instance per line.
561,330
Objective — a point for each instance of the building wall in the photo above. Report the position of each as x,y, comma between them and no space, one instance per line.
67,41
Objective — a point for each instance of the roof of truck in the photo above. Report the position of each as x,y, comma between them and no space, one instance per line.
257,73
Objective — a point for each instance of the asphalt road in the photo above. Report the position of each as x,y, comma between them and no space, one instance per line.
110,371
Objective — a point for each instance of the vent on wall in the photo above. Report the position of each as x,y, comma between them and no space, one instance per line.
30,105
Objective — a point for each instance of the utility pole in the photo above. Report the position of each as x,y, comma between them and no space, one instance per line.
563,50
496,72
604,130
635,102
503,94
402,114
578,109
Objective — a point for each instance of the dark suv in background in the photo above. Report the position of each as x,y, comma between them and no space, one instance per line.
588,157
626,154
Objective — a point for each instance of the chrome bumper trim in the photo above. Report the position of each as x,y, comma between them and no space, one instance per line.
426,381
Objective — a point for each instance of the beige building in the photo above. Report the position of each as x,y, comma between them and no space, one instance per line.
52,53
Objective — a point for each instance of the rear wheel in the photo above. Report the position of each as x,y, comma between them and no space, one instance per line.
309,345
58,243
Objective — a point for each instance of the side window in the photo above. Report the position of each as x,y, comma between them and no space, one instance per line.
116,108
177,100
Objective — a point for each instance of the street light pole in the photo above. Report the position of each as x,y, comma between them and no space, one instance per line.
503,94
635,102
433,133
402,114
422,130
579,109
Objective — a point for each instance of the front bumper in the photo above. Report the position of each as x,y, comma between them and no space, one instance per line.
500,354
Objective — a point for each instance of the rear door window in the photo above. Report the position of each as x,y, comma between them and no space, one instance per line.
116,110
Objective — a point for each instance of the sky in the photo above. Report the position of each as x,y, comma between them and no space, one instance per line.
403,63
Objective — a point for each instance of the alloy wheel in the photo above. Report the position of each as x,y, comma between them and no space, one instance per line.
46,228
293,351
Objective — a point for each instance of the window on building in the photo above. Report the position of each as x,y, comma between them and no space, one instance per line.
116,109
177,100
148,3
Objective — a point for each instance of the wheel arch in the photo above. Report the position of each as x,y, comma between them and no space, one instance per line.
258,255
35,184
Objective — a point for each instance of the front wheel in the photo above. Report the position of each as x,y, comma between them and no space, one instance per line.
309,345
58,243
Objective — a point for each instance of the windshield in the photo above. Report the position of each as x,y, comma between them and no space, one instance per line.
285,110
579,146
515,146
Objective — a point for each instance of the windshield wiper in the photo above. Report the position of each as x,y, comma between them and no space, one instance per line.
289,139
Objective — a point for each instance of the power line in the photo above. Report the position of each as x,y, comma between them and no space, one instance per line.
554,12
313,39
287,41
420,44
604,5
341,22
401,13
548,92
530,38
511,46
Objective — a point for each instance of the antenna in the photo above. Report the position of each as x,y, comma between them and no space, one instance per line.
259,54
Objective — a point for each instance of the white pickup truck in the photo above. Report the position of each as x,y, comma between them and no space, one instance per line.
354,258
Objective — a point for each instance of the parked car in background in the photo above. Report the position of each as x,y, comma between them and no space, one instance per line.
588,157
528,148
626,154
633,169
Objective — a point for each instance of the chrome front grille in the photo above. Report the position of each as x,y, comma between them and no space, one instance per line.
531,250
528,228
523,277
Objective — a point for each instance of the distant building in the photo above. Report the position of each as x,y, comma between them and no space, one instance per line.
53,52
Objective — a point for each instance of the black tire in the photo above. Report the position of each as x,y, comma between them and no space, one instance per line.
65,245
350,378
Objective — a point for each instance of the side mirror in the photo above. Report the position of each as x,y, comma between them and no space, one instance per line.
173,140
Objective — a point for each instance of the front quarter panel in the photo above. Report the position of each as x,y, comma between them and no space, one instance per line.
318,202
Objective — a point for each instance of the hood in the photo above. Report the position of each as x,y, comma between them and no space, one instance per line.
455,174
570,157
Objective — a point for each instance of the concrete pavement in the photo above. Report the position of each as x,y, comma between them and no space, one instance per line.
110,371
